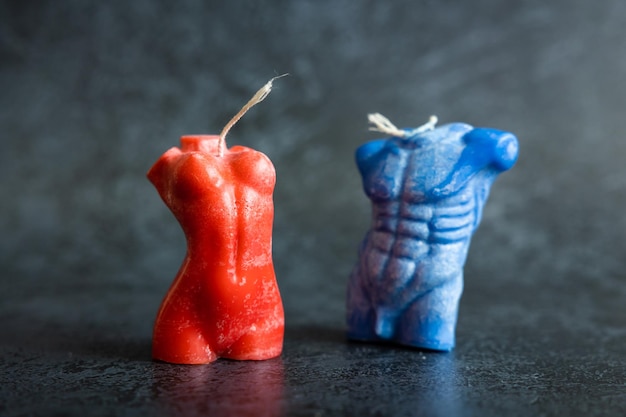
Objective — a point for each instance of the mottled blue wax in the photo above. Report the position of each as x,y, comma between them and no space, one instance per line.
427,191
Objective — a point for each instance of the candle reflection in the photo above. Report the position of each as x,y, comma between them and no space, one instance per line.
439,373
246,388
380,380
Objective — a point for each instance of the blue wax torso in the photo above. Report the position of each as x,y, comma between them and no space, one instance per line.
427,191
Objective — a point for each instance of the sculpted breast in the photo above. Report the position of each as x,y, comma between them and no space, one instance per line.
195,176
382,170
252,169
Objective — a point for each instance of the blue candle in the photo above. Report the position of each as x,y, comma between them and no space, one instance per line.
427,187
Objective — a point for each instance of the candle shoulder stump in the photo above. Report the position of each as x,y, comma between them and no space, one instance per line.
427,190
224,301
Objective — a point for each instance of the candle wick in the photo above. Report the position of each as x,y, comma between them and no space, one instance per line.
258,97
384,125
429,125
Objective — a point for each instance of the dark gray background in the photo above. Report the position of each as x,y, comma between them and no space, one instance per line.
92,93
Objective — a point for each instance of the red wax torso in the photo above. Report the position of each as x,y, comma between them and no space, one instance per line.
224,301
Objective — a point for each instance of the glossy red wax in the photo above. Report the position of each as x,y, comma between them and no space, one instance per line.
224,302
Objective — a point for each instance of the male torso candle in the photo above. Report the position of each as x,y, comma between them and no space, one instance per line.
224,301
427,187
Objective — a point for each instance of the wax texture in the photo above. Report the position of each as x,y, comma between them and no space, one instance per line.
224,301
427,191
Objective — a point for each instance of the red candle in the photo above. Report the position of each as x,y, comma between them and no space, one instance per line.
224,302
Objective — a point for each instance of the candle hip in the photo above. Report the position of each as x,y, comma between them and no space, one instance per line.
427,187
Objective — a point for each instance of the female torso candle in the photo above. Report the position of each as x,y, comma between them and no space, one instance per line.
427,187
224,301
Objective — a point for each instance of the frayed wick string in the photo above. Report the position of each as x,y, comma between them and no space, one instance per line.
258,97
384,125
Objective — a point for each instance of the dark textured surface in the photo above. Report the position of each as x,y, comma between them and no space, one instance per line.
93,92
